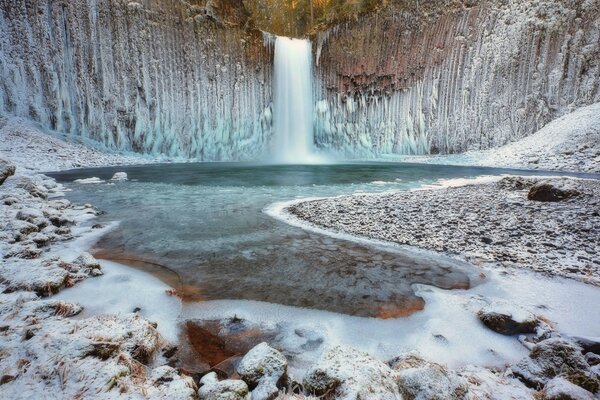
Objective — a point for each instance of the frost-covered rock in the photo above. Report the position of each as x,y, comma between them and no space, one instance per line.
229,389
349,374
89,180
507,319
119,176
422,380
171,384
556,357
561,389
33,187
264,369
552,191
89,263
6,169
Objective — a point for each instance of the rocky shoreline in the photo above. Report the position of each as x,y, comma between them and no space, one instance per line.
491,224
45,349
48,350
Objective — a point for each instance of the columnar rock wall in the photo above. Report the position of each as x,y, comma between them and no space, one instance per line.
155,76
455,75
193,78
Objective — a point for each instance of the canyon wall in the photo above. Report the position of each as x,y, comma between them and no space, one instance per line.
449,76
193,78
180,78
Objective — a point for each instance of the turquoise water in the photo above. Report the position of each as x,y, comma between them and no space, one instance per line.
206,223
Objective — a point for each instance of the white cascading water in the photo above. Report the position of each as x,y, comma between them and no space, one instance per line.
293,102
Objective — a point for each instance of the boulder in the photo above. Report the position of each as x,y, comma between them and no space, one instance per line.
229,389
264,369
507,319
27,184
422,380
348,374
119,176
588,344
561,389
552,191
556,357
88,262
516,183
6,169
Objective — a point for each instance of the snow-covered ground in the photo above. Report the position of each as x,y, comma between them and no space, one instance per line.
34,149
54,348
570,143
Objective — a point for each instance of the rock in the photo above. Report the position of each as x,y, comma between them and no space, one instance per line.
59,220
119,176
556,357
552,191
6,169
24,227
40,239
264,369
507,319
561,389
346,373
89,180
588,344
27,184
10,200
419,379
592,359
515,183
29,214
229,389
89,263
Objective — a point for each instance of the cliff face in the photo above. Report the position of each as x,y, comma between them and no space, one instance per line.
180,78
452,77
193,78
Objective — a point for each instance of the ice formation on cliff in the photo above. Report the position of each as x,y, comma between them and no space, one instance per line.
171,77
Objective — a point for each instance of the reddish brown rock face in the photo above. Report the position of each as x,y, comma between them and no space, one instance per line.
449,78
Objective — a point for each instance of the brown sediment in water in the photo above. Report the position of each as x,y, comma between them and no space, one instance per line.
186,292
218,345
392,310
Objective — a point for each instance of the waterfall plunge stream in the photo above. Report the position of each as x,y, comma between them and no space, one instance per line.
293,102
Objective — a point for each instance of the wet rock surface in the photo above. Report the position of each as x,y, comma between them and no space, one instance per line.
491,224
508,319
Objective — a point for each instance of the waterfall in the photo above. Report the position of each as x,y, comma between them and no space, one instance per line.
293,102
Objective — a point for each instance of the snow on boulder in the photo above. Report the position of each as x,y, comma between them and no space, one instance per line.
507,319
119,176
422,380
264,369
561,389
348,374
89,263
228,389
89,180
556,357
32,187
6,169
171,384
